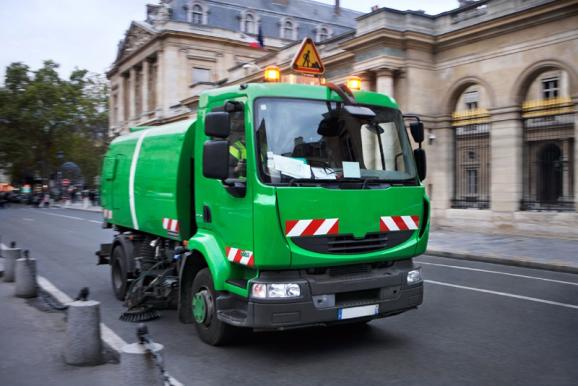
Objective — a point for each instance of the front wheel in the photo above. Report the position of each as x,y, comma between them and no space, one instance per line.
210,329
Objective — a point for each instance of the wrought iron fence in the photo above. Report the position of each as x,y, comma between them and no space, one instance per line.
548,176
471,159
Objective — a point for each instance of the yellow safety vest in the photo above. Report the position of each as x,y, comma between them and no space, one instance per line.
238,150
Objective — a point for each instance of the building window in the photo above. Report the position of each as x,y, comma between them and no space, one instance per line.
287,30
323,33
472,99
250,24
197,14
550,88
201,75
471,165
548,161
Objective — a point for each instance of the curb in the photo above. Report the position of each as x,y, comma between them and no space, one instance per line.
525,262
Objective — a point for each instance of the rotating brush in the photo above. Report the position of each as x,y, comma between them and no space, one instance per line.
139,314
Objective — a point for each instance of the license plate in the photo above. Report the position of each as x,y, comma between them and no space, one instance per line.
357,312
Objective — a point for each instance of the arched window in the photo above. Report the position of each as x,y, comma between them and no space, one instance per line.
197,14
250,24
548,119
287,30
322,34
472,156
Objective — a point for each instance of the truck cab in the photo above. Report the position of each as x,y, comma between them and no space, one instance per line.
308,206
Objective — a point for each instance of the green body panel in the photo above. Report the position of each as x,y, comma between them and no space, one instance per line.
256,222
160,176
359,213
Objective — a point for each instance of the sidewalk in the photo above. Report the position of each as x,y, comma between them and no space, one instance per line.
533,252
32,342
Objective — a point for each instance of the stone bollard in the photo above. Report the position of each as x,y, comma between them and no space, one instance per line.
25,277
83,344
10,256
138,365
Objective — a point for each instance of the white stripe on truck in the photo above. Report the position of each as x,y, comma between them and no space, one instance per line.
131,179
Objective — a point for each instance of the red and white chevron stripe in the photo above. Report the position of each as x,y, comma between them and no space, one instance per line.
239,256
313,227
171,225
398,223
107,213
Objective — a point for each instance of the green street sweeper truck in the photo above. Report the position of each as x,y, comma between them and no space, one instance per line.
279,206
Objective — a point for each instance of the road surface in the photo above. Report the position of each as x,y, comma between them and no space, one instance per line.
480,324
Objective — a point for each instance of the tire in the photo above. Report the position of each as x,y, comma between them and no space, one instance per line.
203,295
118,275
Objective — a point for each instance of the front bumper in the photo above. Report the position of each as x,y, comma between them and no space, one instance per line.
323,296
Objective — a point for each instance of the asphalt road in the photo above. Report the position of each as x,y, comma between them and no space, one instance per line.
480,324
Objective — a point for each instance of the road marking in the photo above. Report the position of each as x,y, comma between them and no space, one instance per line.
498,273
28,219
95,221
63,215
504,294
109,337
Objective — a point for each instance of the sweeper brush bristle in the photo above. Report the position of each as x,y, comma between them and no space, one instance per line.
139,314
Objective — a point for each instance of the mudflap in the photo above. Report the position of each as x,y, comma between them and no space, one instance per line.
103,254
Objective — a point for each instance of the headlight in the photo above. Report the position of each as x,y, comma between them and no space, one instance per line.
414,277
275,290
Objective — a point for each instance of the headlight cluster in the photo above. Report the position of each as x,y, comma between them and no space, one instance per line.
275,290
414,277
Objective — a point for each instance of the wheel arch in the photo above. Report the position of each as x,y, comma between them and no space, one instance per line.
204,253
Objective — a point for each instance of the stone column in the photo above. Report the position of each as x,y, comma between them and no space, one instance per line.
121,98
145,87
367,81
506,144
384,82
575,153
440,160
132,95
160,84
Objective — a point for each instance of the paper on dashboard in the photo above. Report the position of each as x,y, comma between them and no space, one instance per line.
292,167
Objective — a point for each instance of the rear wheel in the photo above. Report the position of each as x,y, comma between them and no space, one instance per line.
118,273
209,328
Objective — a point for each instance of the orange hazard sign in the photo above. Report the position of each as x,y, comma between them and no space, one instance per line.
307,59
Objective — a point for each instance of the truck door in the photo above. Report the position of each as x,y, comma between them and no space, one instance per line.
228,210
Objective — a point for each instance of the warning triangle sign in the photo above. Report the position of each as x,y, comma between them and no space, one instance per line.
307,59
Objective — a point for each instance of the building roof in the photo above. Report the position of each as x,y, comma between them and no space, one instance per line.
307,13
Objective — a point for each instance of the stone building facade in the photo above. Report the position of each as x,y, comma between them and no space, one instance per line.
186,46
496,83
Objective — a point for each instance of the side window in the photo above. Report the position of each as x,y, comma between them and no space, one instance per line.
237,146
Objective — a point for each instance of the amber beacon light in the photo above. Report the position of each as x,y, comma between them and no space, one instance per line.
354,83
272,74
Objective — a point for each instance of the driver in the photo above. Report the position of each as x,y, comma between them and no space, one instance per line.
237,148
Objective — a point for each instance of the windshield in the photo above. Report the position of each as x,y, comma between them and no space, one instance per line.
319,140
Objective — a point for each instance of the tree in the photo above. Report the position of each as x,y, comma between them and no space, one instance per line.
42,114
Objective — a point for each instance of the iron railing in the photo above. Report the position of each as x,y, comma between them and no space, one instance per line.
472,165
548,156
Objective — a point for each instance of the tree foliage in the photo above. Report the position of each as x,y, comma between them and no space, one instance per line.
42,114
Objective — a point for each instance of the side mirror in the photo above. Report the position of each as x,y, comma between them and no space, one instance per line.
420,161
417,131
218,124
216,159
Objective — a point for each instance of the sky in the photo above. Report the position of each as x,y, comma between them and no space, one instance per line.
85,33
